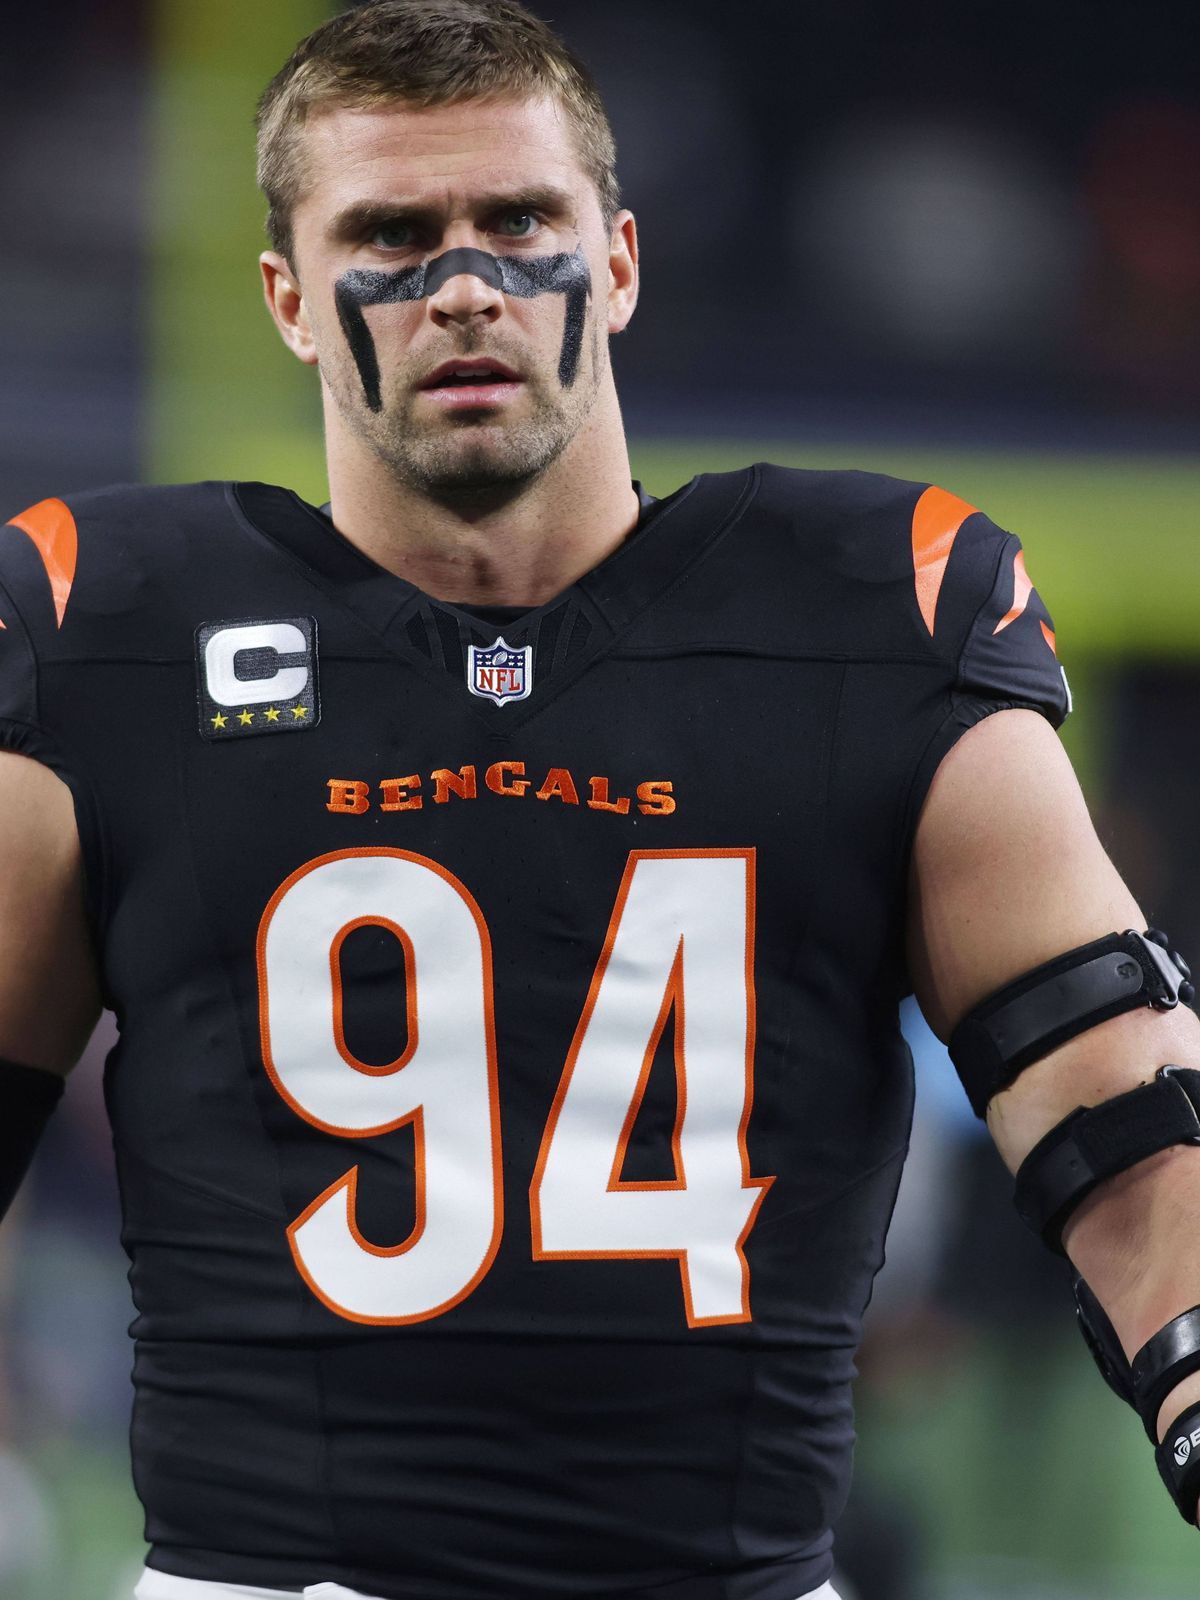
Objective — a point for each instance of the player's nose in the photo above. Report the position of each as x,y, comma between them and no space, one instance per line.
465,295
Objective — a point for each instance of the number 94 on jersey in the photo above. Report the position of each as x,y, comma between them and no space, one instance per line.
680,940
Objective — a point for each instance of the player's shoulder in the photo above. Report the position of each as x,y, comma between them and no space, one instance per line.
848,562
832,492
104,552
871,524
119,520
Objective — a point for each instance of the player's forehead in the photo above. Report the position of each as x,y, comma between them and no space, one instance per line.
438,157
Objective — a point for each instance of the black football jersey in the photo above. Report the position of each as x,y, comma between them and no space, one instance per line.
509,1102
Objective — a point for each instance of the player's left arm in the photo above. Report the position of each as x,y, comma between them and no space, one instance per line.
1007,873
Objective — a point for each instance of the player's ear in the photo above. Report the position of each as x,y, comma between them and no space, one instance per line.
285,302
622,271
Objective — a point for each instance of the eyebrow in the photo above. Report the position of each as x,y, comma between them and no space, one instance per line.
362,216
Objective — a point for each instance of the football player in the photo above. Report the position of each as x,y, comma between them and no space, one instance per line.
505,883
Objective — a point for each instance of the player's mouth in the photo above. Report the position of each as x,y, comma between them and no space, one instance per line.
461,385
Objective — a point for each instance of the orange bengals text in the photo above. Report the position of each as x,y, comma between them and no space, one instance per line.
353,796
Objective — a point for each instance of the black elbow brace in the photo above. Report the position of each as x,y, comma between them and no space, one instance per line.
1051,1004
28,1096
1025,1021
1043,1009
1171,1355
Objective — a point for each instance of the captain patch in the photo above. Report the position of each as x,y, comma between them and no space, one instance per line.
257,676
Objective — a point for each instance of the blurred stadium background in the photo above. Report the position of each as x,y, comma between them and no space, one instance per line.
960,244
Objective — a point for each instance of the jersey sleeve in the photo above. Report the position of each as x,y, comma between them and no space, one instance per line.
34,581
1010,652
998,639
21,729
37,569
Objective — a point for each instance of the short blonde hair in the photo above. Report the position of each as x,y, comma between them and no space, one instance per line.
424,53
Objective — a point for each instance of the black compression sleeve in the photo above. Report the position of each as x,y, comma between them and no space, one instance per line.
27,1097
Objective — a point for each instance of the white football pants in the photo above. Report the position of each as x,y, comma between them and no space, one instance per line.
161,1586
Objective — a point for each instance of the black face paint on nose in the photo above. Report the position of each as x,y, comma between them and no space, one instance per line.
524,277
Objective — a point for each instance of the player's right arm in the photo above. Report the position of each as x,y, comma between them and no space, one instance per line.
49,985
49,991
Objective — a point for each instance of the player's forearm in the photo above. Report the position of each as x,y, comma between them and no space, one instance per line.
1134,1241
1132,1238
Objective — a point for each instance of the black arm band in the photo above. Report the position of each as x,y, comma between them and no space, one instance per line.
1101,1141
1172,1355
1050,1004
1098,1142
1178,1458
1166,1359
28,1095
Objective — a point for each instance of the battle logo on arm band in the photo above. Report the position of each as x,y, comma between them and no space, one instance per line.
524,277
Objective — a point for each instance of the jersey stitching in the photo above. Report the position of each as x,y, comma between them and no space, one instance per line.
1005,546
325,1470
393,654
876,1167
828,763
764,652
751,1392
602,647
221,963
189,661
303,570
200,1187
606,650
373,567
802,943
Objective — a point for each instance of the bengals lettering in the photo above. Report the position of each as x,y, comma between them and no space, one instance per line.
353,796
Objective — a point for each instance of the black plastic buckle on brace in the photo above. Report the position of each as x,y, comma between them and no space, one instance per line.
1171,967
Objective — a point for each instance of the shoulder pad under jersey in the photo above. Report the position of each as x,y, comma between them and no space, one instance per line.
862,566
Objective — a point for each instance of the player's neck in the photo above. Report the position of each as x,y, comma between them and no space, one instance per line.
520,551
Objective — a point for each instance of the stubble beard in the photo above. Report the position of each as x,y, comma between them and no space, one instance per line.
473,457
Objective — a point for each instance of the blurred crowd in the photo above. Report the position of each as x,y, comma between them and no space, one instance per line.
857,216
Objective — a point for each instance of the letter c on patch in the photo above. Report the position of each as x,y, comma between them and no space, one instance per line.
221,661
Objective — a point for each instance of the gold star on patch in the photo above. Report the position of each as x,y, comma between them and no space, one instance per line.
245,718
271,714
218,721
299,711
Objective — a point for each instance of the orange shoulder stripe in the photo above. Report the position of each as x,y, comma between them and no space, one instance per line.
1022,589
52,528
937,517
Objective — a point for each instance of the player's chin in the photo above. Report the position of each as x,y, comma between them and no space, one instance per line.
482,460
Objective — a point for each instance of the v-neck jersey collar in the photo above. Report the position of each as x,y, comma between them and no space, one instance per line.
682,528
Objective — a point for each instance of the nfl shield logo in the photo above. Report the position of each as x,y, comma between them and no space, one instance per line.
500,673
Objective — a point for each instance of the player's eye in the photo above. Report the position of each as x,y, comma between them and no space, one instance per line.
394,235
517,224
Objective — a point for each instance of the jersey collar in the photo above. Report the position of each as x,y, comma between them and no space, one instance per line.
672,536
